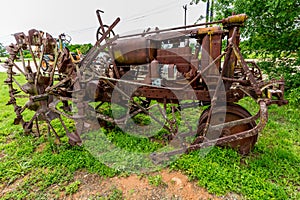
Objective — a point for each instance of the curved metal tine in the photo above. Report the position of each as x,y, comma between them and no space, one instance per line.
19,69
172,122
32,119
23,108
37,127
33,58
19,85
53,130
163,113
64,125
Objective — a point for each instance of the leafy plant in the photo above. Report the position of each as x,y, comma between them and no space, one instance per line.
73,187
156,180
294,96
116,194
3,52
285,68
272,26
83,48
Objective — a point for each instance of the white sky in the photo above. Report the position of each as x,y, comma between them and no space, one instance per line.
78,18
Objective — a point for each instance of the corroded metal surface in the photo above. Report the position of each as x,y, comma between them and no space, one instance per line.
169,69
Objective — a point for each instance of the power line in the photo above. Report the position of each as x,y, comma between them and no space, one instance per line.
148,15
148,12
82,30
136,17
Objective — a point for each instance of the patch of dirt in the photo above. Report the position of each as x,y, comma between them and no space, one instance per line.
41,147
10,187
174,185
2,154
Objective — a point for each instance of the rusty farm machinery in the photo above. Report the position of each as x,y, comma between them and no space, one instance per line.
170,70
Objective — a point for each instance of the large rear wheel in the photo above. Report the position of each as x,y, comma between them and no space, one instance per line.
233,112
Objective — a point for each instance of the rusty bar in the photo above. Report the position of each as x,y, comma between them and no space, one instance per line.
16,66
172,29
33,57
236,122
39,67
246,69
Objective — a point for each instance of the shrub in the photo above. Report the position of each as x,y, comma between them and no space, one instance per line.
286,68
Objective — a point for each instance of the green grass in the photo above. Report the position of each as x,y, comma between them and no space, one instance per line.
156,180
271,171
2,59
32,160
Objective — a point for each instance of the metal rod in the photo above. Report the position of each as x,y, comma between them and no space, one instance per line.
39,67
16,66
172,29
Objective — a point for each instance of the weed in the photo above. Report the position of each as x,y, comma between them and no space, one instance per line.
294,96
115,194
156,180
72,188
283,68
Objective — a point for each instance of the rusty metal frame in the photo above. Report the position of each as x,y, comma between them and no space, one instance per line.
78,74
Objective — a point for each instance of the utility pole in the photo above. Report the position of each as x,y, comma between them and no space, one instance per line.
207,11
211,11
185,9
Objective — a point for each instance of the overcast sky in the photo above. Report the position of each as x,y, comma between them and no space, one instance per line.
78,18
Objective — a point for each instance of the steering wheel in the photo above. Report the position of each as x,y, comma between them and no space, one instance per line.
100,33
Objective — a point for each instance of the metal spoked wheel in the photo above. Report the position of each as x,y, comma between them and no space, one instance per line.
100,33
32,106
234,112
40,99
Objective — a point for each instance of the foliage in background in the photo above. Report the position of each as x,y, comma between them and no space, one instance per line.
83,48
273,25
3,52
289,69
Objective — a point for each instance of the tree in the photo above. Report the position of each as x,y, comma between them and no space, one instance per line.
83,48
2,51
273,26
